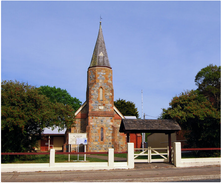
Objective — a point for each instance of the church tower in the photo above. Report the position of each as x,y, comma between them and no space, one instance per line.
98,116
100,97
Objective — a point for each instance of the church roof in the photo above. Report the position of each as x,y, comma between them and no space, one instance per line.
85,103
149,126
99,57
55,131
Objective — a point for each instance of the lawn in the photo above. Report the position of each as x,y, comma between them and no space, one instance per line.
45,158
74,158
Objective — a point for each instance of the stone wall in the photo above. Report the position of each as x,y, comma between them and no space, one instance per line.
100,78
98,114
95,142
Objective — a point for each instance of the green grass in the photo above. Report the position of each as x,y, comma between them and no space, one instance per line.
188,155
73,158
124,155
115,155
29,159
64,158
120,155
61,158
200,154
45,159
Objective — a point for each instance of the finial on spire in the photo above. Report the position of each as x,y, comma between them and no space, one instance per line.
100,20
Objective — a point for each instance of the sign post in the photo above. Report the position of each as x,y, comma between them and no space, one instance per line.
77,139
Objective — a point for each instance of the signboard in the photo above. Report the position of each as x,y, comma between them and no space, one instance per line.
81,141
72,138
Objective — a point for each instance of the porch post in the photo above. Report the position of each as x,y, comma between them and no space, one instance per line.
128,137
169,143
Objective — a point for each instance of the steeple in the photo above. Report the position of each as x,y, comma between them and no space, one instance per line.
99,57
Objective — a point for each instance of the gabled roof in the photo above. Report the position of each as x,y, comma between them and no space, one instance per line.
130,117
99,57
80,108
118,112
55,131
85,103
149,126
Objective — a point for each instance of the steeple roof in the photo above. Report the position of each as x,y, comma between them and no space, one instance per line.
99,57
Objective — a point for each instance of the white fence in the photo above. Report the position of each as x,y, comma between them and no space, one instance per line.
53,166
178,161
131,158
149,152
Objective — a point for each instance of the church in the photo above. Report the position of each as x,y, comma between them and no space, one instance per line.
98,117
99,120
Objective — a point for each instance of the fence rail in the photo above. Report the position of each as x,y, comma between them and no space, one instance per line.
41,153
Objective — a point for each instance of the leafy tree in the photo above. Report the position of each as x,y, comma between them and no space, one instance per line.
61,96
25,113
127,108
198,112
208,82
197,117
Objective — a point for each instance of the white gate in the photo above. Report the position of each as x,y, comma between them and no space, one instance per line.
147,153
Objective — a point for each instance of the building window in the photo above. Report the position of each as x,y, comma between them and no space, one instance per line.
101,93
102,134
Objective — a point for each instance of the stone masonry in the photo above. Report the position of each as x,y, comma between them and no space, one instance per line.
98,117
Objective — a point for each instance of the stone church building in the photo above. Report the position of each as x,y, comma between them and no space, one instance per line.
98,117
104,125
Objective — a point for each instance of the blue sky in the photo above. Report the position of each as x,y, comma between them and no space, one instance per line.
157,47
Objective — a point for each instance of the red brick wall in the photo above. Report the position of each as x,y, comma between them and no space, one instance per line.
136,139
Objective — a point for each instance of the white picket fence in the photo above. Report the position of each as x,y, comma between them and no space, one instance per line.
163,152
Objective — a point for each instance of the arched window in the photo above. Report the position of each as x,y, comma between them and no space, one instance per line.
101,93
102,134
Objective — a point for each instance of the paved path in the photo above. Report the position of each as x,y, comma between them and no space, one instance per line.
154,172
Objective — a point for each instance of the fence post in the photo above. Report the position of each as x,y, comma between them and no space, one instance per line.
52,157
177,154
130,155
149,155
111,157
168,154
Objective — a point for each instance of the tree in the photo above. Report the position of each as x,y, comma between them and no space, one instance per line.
208,82
25,113
127,108
197,117
61,96
198,111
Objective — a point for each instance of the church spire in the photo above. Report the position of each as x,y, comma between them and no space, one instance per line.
99,57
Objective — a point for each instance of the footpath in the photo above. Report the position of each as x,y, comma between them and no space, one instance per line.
143,172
